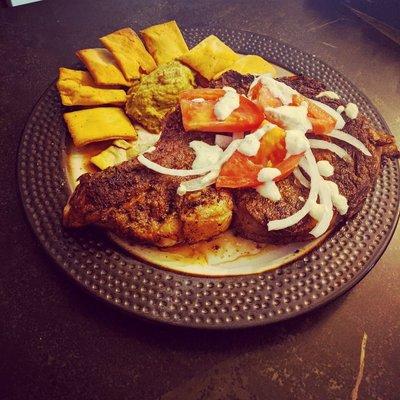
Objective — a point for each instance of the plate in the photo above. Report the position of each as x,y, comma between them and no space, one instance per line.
106,271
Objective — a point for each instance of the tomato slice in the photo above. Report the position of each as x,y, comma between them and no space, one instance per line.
199,116
272,147
263,97
287,166
239,172
322,123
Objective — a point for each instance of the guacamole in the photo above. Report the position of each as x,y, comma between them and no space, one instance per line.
155,94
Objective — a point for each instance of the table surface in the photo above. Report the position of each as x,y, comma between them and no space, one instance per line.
57,342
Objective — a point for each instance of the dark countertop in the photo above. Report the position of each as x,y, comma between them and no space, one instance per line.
56,342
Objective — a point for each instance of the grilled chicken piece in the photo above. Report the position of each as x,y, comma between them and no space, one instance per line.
137,203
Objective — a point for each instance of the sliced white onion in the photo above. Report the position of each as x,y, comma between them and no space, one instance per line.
323,144
312,197
301,178
228,152
340,122
223,141
350,139
169,171
202,182
325,199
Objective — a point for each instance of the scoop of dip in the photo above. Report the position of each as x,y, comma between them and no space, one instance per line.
155,94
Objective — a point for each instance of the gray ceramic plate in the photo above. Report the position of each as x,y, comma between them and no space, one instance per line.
228,302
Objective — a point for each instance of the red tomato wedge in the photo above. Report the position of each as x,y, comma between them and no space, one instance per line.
287,166
238,172
263,97
322,123
199,116
241,171
272,147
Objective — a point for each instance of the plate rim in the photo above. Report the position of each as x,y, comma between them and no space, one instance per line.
243,324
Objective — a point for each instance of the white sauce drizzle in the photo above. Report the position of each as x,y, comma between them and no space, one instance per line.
198,100
278,89
296,142
250,145
351,111
338,200
292,117
206,154
325,168
329,94
270,191
269,188
228,103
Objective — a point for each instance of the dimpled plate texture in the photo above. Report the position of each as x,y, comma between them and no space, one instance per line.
229,302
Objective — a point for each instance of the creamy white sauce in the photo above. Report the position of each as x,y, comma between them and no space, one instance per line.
340,122
278,89
325,168
338,200
206,154
198,100
296,142
268,174
329,94
292,117
340,109
213,171
351,111
250,145
262,130
269,189
228,103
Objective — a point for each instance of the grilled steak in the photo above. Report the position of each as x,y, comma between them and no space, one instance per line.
135,202
253,212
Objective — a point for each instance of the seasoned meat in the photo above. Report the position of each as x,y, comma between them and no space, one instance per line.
233,79
137,203
253,212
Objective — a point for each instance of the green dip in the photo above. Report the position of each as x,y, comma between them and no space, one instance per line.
155,94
